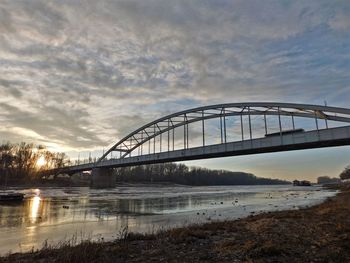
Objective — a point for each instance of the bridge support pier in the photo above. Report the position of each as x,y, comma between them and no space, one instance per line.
102,178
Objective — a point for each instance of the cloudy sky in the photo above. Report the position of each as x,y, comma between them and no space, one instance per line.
78,75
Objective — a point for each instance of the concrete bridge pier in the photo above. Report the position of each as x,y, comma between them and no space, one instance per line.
102,178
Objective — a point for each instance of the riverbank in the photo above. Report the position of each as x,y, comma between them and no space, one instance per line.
317,234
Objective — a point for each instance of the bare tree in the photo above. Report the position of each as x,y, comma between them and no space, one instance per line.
19,162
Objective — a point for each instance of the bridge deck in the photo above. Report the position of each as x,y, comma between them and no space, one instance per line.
311,139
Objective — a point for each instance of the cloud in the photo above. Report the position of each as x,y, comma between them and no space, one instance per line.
82,74
341,21
49,125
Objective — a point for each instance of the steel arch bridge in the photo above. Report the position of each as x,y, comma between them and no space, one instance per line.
168,138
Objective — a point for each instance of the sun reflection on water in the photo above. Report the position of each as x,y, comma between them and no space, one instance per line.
34,208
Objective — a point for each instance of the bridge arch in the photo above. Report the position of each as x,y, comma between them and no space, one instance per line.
136,139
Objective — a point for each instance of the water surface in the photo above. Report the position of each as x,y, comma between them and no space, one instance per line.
56,214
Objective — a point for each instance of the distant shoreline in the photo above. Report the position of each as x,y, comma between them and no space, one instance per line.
321,232
165,183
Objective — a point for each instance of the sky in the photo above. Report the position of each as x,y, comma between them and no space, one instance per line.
79,75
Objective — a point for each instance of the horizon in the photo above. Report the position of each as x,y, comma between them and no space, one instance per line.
79,79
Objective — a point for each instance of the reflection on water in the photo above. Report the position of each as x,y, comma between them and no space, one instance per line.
58,213
34,208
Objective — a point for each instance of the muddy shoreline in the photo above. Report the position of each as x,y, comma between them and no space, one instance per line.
317,234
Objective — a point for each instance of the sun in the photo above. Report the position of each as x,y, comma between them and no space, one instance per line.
41,161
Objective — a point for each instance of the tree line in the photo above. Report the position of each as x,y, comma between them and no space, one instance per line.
19,162
182,174
327,180
345,174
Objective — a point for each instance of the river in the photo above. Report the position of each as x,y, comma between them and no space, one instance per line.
79,213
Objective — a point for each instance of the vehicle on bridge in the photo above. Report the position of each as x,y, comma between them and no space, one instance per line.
284,132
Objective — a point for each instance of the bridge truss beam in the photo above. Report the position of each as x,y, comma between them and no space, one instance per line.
168,124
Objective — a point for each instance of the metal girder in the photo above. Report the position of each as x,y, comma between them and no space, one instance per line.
226,110
120,150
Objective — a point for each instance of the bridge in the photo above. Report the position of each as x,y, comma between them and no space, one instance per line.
224,130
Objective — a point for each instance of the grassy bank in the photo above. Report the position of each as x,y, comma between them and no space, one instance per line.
317,234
